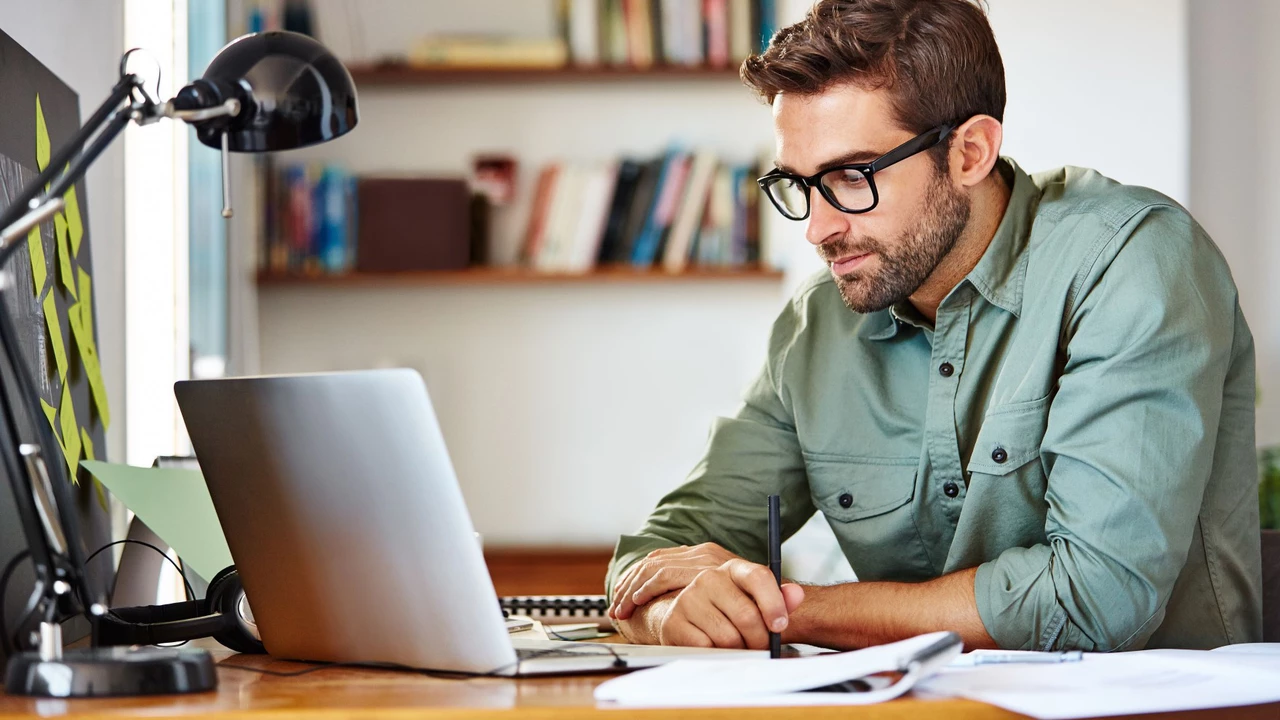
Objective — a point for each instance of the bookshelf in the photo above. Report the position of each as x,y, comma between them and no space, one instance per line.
404,76
506,275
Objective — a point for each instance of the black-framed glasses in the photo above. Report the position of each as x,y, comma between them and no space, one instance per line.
849,188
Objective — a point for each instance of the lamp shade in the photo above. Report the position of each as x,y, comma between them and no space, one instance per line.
293,93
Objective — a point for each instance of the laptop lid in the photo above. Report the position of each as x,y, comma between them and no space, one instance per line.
343,513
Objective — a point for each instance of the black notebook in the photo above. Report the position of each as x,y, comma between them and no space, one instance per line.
559,609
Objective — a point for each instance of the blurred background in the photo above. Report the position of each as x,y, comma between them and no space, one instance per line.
548,210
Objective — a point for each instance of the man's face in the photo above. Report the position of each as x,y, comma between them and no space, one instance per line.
880,257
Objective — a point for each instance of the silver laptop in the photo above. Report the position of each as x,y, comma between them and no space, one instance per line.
346,523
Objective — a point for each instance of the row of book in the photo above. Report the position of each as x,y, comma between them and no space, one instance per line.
680,209
310,220
642,33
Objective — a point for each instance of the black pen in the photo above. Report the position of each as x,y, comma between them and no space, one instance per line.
775,563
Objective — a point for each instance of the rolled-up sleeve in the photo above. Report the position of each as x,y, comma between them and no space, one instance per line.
749,456
1128,447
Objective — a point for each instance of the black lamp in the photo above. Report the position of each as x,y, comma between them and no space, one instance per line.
263,92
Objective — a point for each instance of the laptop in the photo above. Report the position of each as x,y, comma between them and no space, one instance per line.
342,511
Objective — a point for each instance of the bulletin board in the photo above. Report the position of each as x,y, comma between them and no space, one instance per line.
50,297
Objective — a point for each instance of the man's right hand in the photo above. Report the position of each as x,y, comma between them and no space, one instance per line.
732,606
663,571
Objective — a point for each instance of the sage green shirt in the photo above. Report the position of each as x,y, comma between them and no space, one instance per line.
1078,424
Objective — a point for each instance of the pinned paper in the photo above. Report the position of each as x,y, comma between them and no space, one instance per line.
64,254
98,488
75,227
70,433
176,505
83,334
39,266
55,335
42,138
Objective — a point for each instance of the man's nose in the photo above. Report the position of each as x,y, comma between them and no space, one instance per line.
825,222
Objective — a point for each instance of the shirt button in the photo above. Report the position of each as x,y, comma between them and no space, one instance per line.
946,369
846,501
999,455
951,489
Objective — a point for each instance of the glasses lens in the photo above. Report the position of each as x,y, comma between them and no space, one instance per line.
850,188
789,195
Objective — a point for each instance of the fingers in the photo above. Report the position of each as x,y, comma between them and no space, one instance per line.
664,581
701,607
794,595
758,582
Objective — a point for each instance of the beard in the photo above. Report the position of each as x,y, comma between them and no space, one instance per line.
908,262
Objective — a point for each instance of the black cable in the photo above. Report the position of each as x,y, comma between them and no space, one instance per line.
191,593
4,586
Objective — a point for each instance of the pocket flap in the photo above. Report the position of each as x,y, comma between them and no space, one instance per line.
847,488
1010,437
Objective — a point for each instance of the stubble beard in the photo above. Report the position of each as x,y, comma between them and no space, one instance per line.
906,264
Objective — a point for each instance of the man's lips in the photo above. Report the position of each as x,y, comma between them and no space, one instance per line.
848,263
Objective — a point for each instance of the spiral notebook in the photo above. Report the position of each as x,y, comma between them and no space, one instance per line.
559,609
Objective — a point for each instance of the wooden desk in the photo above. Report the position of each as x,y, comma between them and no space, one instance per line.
348,693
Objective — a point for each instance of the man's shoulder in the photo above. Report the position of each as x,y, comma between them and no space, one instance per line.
1075,191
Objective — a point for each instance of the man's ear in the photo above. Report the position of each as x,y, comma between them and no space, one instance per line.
975,148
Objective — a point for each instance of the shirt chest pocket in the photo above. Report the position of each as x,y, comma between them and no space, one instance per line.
867,503
1009,439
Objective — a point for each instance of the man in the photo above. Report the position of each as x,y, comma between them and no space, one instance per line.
1024,404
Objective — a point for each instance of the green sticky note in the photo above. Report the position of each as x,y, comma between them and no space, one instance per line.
70,433
55,335
64,254
75,227
83,335
39,266
42,138
174,503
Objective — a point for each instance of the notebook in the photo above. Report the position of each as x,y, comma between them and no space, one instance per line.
559,609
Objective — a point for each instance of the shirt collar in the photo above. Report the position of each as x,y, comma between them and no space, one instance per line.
1000,273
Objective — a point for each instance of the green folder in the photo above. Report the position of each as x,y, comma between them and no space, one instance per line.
175,504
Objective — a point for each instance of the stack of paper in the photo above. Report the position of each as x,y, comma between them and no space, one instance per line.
1119,683
741,683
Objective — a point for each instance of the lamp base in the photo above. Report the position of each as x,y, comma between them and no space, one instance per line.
111,671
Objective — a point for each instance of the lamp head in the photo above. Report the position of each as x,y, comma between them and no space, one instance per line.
292,91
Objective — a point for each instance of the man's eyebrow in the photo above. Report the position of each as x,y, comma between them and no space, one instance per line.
849,158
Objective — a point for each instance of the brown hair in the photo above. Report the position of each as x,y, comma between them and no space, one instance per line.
937,58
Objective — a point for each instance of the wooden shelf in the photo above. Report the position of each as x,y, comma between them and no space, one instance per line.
406,75
499,276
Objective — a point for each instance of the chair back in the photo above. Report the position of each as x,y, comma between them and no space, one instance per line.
1271,585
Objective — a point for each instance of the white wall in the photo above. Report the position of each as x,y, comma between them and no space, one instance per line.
570,409
1234,62
81,42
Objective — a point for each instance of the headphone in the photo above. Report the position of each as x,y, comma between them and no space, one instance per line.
223,614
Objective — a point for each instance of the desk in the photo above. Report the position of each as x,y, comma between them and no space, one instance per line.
350,693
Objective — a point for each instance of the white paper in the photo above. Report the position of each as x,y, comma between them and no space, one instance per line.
1116,684
749,682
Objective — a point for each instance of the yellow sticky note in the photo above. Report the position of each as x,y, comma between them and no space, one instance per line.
55,335
87,442
64,254
70,433
42,138
75,227
86,302
39,266
89,358
50,412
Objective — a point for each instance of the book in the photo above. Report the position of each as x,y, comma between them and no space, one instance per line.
309,219
489,52
688,218
716,14
624,193
584,32
741,45
639,16
648,246
559,609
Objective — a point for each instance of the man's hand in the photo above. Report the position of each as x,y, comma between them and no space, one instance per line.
734,605
662,571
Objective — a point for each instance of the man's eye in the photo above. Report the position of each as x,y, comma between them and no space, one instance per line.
845,179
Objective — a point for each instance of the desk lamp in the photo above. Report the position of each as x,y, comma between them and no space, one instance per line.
263,92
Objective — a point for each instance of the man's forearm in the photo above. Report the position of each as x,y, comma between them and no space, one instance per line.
861,614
